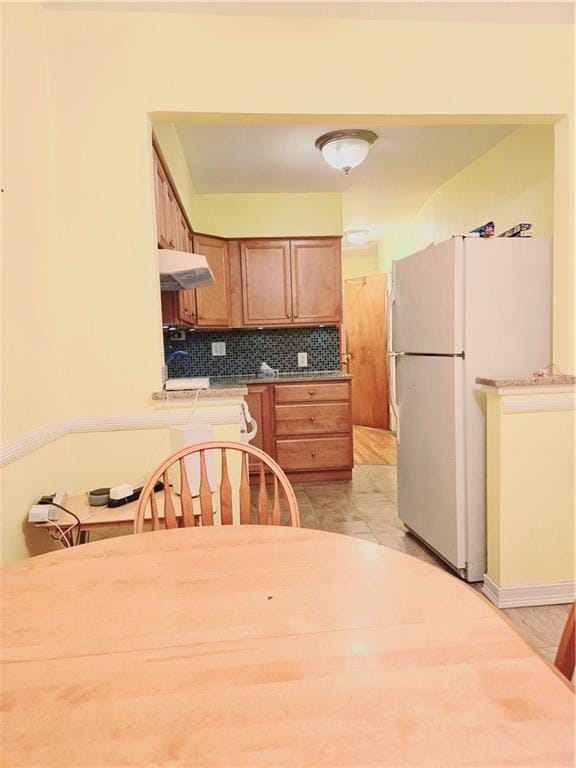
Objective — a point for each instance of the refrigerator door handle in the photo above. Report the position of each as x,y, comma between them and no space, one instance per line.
393,401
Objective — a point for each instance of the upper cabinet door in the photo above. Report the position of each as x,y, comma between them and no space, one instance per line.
162,214
172,217
181,239
213,304
316,281
266,294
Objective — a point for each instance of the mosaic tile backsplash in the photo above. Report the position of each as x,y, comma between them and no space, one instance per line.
247,349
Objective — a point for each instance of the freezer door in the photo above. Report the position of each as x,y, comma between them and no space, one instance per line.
431,453
428,300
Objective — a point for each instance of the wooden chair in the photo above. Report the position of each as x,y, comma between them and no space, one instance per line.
264,514
564,660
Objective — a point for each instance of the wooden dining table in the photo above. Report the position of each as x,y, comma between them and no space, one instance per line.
266,646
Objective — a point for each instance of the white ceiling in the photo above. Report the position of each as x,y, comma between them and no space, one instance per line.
404,167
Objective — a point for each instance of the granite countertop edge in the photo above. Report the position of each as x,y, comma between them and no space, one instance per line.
203,394
283,378
236,386
527,381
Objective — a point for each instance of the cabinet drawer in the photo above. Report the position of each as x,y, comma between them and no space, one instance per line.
312,418
306,393
318,453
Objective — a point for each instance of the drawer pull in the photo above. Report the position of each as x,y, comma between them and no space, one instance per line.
312,392
312,418
313,453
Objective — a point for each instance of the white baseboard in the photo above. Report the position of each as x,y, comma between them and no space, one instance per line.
555,593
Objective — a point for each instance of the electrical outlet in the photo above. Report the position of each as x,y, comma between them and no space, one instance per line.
218,348
302,359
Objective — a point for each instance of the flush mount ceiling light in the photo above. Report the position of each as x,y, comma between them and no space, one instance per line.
346,149
356,236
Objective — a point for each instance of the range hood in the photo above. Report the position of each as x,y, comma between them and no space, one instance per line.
180,270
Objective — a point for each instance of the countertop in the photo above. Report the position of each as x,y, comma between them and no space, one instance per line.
228,381
227,390
528,381
235,386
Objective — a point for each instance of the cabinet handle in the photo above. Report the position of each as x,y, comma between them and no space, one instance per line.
313,453
312,418
201,317
312,392
295,314
171,244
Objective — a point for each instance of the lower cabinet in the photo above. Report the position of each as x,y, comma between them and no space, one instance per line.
316,454
306,427
260,404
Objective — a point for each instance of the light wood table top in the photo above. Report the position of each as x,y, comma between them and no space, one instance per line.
250,646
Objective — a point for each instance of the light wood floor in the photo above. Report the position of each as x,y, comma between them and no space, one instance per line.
374,446
366,508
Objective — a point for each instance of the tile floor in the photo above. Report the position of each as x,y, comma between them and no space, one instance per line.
366,508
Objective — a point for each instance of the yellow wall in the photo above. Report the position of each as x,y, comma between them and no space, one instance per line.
79,462
512,183
268,215
358,266
172,152
564,272
531,502
81,305
248,214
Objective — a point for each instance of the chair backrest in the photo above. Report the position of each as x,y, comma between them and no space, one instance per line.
565,656
282,492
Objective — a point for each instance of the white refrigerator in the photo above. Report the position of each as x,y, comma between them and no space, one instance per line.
464,308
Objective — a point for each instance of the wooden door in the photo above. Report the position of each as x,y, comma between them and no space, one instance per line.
365,324
316,270
213,303
260,404
266,294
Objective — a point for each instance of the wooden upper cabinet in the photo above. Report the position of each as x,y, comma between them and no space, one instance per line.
181,235
316,281
213,302
172,218
163,215
187,305
187,312
266,293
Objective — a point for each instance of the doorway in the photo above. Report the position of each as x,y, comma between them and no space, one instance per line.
365,317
